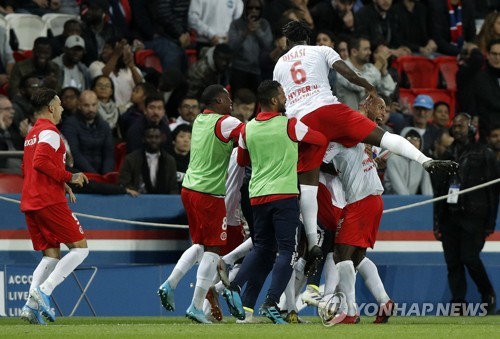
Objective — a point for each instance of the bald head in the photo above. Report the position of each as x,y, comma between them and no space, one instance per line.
87,105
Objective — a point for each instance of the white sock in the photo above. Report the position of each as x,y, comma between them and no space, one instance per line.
309,210
64,268
331,274
40,274
239,252
347,280
190,257
300,278
369,272
399,145
204,277
290,294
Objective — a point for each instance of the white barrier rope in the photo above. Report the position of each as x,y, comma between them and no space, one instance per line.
145,223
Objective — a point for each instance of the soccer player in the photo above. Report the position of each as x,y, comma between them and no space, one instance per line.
269,144
50,221
359,223
203,191
303,72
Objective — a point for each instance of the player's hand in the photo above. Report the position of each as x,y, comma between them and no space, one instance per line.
185,39
79,179
132,193
69,191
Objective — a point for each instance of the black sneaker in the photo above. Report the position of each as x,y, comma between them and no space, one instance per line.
491,300
443,165
314,258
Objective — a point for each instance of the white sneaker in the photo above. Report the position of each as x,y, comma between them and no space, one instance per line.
249,318
311,295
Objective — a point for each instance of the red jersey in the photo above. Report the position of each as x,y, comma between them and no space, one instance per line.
43,167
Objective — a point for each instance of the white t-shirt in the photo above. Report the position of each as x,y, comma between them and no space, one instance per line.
303,73
334,186
235,177
357,171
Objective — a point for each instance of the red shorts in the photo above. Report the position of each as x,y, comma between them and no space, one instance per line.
338,123
328,214
235,237
206,217
53,225
360,222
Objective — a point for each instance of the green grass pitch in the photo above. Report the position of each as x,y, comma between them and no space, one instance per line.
176,327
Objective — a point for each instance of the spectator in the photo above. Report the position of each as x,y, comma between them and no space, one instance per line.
6,58
22,101
421,114
36,7
71,27
404,176
174,87
107,109
463,222
7,7
489,31
412,20
487,91
341,46
244,103
269,57
470,62
452,24
73,72
377,21
150,170
442,143
153,115
326,38
96,28
163,26
89,137
181,137
209,69
136,111
376,74
336,16
211,19
10,139
69,101
249,36
117,62
303,12
441,115
38,64
494,143
69,7
188,111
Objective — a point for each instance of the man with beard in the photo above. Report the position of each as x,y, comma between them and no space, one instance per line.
39,64
73,72
494,142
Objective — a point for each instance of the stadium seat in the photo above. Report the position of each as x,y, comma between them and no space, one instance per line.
112,177
448,68
95,177
26,28
22,55
11,183
191,55
120,153
55,22
421,72
406,98
439,95
148,58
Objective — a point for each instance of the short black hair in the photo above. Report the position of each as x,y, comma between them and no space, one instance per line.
154,97
491,43
493,128
42,97
354,42
69,88
24,80
267,90
150,126
96,79
296,31
41,41
181,128
223,49
211,93
440,103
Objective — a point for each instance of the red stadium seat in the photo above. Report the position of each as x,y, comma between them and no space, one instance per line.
448,68
191,55
420,71
112,177
11,183
148,58
439,95
406,98
22,55
120,153
95,177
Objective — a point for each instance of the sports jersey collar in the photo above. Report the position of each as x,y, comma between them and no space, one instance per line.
209,111
262,116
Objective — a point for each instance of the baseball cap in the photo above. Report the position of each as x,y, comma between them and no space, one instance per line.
74,41
424,101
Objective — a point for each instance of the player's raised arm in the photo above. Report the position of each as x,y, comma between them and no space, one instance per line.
344,70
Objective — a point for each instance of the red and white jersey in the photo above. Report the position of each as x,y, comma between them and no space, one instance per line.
357,171
43,167
235,177
303,73
334,186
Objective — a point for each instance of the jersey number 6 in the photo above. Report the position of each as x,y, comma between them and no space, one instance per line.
298,73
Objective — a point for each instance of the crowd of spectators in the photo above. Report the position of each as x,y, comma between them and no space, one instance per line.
112,99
